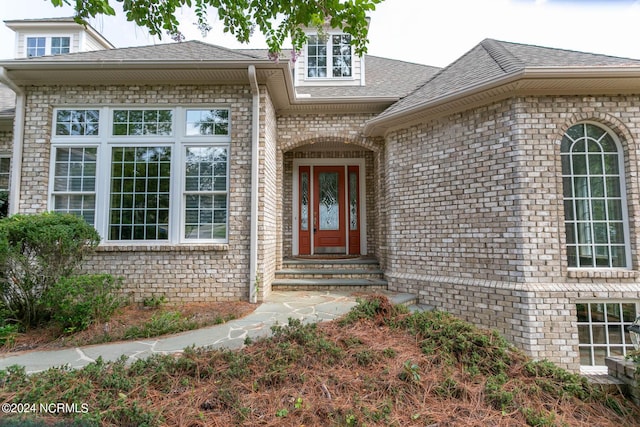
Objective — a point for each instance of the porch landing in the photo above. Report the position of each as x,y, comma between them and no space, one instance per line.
330,273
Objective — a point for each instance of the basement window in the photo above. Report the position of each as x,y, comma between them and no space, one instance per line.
602,331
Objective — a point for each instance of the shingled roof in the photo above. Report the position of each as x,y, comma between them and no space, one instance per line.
384,78
492,59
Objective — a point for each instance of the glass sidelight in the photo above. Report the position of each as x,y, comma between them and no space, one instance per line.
329,217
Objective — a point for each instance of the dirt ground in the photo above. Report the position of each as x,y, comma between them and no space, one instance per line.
51,337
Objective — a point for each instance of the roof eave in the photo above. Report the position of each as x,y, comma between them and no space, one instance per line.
43,72
43,64
347,104
531,80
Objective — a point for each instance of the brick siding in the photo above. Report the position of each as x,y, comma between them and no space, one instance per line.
180,272
476,222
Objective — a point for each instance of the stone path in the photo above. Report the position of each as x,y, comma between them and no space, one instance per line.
309,306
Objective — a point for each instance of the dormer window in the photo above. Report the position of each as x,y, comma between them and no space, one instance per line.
60,45
329,56
41,46
36,46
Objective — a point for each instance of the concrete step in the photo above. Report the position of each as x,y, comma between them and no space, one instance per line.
325,273
419,308
403,299
607,383
328,284
362,263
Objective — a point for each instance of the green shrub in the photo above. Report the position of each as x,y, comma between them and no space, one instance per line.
169,322
76,302
8,334
36,251
154,301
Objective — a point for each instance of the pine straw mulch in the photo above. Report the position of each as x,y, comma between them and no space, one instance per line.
351,373
353,390
51,337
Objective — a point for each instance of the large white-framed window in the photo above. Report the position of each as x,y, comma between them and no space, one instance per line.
602,331
42,45
74,181
144,174
596,223
329,56
5,173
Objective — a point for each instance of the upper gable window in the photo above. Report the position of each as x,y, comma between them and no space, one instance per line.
41,46
329,57
60,45
36,46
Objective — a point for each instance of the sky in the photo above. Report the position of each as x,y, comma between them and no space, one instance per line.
432,32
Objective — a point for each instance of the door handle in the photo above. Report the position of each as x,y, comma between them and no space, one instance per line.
315,222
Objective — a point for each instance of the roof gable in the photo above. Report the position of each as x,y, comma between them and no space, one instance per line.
492,60
384,78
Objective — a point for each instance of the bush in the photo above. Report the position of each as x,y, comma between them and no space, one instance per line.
77,302
36,251
169,322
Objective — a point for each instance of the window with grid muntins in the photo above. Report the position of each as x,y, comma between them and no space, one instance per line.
77,122
206,193
142,122
74,181
594,204
36,46
5,170
154,174
60,45
331,53
140,193
341,45
602,330
316,57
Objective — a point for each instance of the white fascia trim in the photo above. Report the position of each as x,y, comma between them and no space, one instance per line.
18,141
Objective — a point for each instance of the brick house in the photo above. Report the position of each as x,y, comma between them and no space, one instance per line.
503,188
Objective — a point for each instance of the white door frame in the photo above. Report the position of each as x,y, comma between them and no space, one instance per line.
295,209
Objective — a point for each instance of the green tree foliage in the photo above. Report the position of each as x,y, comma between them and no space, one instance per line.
276,19
36,251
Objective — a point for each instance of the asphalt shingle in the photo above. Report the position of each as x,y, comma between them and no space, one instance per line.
492,59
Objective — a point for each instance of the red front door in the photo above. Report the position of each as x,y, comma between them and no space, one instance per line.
329,210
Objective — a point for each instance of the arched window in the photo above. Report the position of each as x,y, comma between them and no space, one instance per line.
594,203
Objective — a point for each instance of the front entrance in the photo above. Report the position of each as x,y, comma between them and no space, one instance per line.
328,209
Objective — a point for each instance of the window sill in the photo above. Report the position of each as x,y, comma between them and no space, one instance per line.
183,247
604,273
